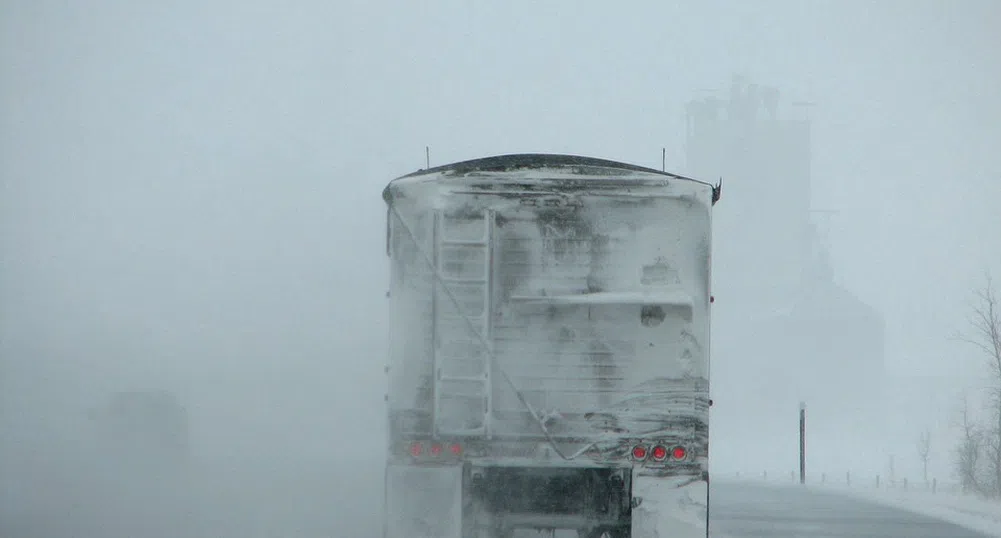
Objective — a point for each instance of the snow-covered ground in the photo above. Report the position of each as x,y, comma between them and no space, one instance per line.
966,511
945,503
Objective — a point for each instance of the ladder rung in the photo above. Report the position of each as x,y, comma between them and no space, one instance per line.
465,242
467,379
463,328
474,431
473,301
460,325
465,280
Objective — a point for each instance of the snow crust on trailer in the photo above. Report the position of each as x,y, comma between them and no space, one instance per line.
445,185
671,297
549,306
528,161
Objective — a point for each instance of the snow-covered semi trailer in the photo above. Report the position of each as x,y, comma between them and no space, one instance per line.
549,363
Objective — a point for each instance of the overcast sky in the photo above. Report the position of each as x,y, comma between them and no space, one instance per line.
191,190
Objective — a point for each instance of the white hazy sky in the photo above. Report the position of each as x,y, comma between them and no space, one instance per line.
190,191
187,130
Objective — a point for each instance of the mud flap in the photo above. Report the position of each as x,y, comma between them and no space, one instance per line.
669,507
423,502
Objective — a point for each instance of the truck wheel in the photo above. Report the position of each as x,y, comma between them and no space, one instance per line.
493,532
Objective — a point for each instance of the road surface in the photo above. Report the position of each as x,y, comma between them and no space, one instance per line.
740,509
316,503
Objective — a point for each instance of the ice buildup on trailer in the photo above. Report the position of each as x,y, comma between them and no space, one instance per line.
549,363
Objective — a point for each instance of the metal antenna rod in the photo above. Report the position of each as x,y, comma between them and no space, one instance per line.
663,159
427,157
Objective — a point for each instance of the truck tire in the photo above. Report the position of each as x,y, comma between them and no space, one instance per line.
494,532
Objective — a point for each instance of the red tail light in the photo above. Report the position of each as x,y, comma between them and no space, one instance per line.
639,452
659,453
679,453
428,449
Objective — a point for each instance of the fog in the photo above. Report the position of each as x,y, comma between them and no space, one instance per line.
191,202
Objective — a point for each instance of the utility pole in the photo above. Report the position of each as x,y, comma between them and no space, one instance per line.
802,442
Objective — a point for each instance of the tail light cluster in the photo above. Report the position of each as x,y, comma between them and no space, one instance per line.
432,450
659,452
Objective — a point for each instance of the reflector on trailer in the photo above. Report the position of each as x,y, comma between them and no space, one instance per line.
416,449
456,449
435,449
679,453
639,452
659,452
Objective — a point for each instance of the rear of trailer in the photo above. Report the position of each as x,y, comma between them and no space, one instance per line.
549,353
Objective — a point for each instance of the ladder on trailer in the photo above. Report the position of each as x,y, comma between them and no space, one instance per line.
463,256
